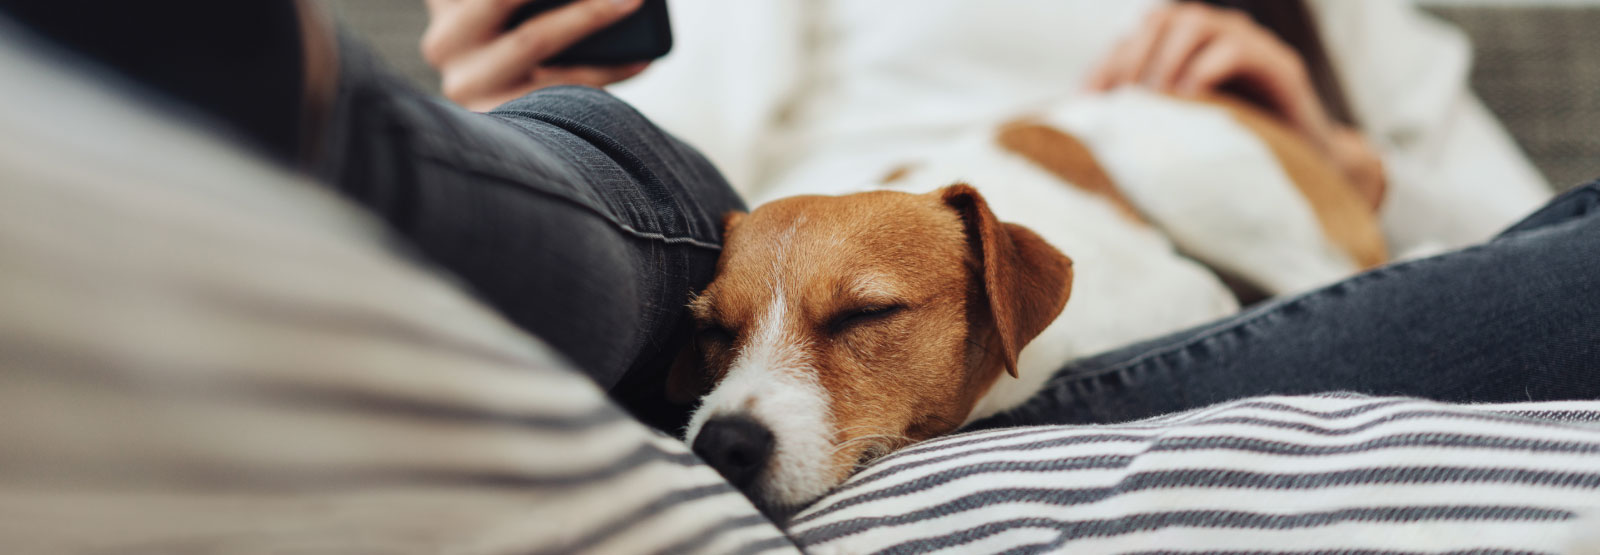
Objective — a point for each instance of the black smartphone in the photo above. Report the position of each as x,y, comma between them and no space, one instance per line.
643,35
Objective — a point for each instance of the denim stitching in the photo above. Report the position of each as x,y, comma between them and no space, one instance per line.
660,196
669,239
485,166
1561,202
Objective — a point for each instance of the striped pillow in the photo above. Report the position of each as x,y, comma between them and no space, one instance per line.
1319,474
200,353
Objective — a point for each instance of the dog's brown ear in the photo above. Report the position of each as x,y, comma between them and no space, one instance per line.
1025,280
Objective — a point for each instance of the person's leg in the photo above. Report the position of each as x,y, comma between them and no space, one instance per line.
566,210
1515,319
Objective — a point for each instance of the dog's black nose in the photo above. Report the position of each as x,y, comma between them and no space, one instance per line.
737,446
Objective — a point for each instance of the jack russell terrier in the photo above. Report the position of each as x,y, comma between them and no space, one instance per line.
840,328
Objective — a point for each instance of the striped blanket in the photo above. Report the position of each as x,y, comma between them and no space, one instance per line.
1324,474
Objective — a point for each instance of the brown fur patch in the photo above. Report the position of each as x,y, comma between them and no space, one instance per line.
1025,280
1345,216
1066,157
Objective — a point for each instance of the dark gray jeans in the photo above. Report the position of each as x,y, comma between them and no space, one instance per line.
1514,319
565,210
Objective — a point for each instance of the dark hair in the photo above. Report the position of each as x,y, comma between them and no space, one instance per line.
1294,23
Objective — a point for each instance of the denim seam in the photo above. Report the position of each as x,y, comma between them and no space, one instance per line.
1560,203
669,239
666,205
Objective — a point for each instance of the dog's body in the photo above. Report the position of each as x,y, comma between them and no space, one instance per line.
840,328
1122,184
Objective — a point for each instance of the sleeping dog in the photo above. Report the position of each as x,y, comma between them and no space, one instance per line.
840,328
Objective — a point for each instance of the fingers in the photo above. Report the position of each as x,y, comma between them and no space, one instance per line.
1128,59
1189,34
1362,163
1190,49
1279,79
478,75
1218,62
515,54
482,64
1276,74
456,27
1158,54
588,75
551,32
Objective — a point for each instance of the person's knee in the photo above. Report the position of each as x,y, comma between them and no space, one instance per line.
590,106
678,177
1580,202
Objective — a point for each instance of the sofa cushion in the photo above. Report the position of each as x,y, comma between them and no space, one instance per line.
1323,474
201,352
1536,65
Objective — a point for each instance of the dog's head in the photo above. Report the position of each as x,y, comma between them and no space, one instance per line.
838,329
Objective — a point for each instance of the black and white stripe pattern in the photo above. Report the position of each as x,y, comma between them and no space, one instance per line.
200,353
1317,474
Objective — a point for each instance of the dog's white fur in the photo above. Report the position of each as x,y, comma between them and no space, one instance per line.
1218,192
772,381
1211,188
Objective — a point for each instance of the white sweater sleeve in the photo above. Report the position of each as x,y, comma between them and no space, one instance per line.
1455,176
734,66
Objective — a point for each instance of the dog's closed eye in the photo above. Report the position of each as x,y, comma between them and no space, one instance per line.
857,317
713,336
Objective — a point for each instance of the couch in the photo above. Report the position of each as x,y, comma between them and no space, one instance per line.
202,352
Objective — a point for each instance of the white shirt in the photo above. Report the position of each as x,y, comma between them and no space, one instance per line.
785,95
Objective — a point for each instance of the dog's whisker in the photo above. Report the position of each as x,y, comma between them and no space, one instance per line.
942,420
875,436
846,443
875,452
870,430
880,442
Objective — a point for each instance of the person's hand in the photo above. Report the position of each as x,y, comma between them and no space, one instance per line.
481,65
1189,49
